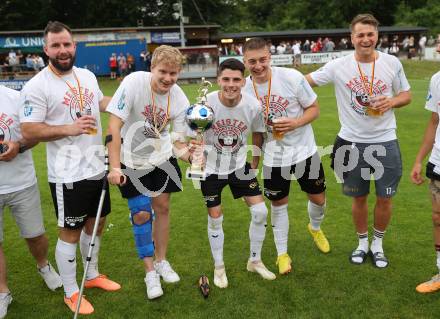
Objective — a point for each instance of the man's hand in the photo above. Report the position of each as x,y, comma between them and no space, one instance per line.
82,125
285,124
116,177
416,174
382,103
11,152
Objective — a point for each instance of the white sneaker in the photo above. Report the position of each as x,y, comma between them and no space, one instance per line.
260,269
220,279
4,303
50,277
154,289
163,268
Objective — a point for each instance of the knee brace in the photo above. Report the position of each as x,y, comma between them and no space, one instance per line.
259,213
142,232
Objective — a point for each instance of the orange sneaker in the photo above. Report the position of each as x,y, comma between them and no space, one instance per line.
102,282
85,308
430,285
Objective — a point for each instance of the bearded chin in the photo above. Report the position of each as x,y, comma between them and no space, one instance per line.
61,67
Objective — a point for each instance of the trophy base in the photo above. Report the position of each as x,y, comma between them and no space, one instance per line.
195,175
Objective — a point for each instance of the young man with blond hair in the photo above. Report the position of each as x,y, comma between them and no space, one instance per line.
369,85
61,106
141,156
289,106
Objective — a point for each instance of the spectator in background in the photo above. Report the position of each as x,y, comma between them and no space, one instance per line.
131,63
329,45
240,49
431,41
122,65
273,49
422,45
20,57
30,65
40,63
113,64
146,60
296,54
306,47
319,45
394,50
412,47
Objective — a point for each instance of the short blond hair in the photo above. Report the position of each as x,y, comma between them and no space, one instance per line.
167,54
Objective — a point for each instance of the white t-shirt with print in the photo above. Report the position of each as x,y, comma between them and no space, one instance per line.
433,105
352,100
19,173
226,142
47,98
290,94
133,104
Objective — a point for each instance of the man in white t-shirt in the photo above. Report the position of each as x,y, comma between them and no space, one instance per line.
237,115
141,156
289,106
369,84
19,191
431,143
61,106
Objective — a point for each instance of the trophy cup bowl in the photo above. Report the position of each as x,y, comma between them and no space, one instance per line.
199,118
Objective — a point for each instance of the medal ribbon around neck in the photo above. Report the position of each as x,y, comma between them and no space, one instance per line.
269,87
364,78
157,129
71,87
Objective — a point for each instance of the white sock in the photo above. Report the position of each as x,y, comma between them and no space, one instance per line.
257,230
280,227
92,271
216,239
376,244
363,242
65,256
316,215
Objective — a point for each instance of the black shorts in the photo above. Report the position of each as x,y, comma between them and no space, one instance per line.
430,172
114,69
242,182
309,174
165,178
75,202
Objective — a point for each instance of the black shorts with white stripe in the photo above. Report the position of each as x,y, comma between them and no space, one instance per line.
75,202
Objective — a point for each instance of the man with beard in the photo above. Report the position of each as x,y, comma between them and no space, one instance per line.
369,85
60,106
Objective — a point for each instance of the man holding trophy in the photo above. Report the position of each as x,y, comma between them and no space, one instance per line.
142,162
236,116
289,105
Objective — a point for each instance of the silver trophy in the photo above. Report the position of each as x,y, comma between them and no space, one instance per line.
199,118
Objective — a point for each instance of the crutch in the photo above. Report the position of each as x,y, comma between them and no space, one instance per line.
108,139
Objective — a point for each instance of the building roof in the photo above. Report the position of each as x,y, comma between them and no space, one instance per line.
315,32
